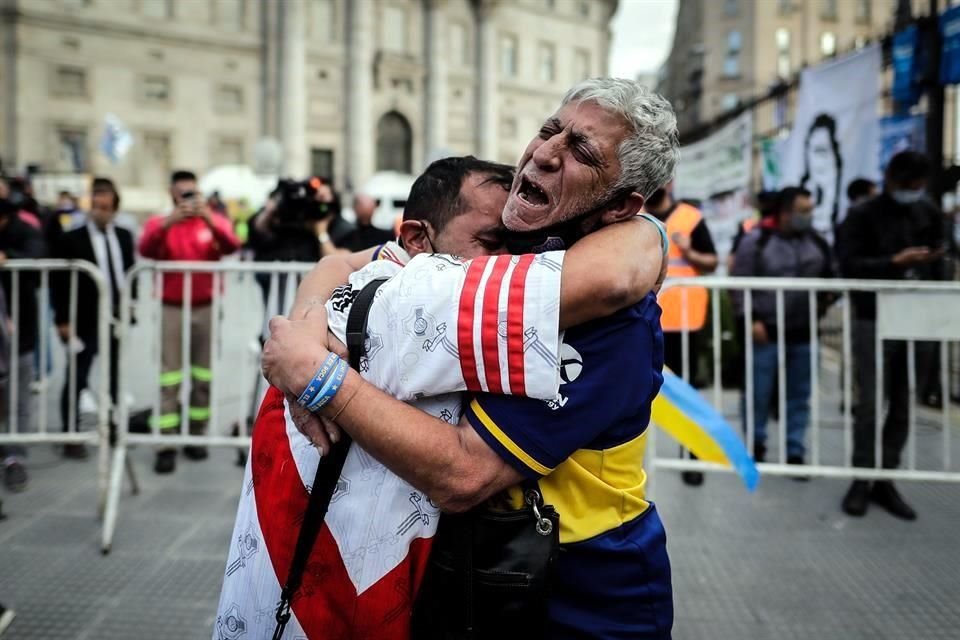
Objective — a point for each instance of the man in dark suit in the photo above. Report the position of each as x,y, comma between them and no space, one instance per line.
111,248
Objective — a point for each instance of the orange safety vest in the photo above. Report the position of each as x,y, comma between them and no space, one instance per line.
675,317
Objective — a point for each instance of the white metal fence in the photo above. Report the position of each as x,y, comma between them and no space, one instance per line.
264,289
908,313
32,279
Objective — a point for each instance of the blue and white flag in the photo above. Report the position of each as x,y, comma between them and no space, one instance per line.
116,140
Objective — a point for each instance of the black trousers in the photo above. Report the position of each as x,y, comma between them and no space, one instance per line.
85,360
673,354
895,425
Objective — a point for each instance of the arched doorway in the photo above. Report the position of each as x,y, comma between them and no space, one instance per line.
394,143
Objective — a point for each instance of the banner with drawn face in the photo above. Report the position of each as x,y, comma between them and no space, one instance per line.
835,135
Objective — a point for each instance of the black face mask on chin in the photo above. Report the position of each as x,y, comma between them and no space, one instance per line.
559,236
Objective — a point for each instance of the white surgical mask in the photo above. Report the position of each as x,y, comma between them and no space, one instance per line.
904,196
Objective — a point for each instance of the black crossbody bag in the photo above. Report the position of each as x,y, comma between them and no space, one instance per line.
489,573
329,467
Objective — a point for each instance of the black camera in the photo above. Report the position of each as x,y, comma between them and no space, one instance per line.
297,202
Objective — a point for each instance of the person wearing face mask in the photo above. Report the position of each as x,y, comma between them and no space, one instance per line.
898,235
784,245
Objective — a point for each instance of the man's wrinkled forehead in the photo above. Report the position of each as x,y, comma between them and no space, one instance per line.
591,120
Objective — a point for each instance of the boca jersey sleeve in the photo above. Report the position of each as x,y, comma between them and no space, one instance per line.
442,325
611,370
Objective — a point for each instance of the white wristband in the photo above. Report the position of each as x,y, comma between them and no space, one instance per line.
324,238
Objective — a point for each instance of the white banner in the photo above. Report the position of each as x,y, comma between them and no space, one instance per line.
717,164
716,171
835,136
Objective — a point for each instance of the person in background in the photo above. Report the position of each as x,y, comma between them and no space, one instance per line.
365,235
766,203
897,235
190,232
110,247
791,249
692,253
860,190
19,240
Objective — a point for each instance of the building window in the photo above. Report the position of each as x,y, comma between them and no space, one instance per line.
155,89
783,53
321,163
229,14
730,101
731,63
731,8
157,8
395,29
229,98
581,65
155,160
228,150
584,8
69,82
459,46
322,26
784,7
828,9
864,11
72,149
508,56
828,44
548,62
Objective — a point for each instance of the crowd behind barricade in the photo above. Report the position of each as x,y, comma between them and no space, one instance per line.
893,232
301,221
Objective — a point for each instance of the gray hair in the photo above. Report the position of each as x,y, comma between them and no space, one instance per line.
650,153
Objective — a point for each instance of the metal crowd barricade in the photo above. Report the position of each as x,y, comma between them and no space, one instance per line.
42,433
907,311
280,280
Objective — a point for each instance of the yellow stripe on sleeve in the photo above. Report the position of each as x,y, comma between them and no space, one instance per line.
505,440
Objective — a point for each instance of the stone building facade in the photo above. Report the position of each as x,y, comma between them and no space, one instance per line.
347,87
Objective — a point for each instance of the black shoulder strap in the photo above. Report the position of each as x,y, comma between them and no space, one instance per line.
329,467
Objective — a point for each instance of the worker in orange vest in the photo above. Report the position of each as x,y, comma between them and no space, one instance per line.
691,254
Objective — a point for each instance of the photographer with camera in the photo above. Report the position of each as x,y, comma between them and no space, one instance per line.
190,232
293,226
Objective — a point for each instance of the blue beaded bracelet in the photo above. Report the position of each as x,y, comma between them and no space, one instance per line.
330,388
319,379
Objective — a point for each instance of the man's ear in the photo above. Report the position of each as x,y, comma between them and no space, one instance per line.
624,209
414,238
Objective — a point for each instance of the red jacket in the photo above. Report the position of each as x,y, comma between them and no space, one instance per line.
189,239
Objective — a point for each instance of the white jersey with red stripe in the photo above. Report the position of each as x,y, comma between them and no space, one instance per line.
502,336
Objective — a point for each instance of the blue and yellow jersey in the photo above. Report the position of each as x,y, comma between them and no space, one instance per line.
586,449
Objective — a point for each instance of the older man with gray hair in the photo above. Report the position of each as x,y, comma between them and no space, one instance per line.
610,145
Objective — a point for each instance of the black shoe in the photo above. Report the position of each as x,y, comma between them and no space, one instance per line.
887,496
15,477
692,478
241,457
75,451
857,498
797,460
195,453
166,461
759,452
6,617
